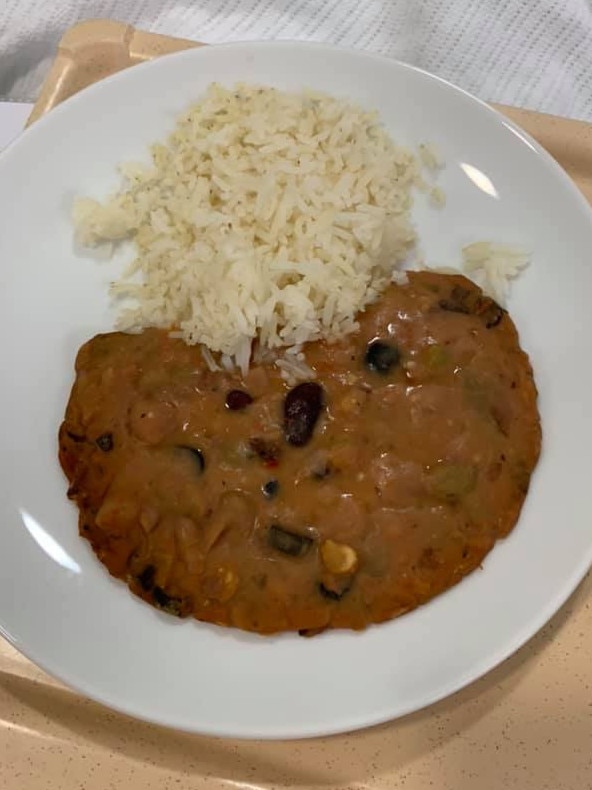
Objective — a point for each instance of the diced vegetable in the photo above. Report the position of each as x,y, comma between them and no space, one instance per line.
288,542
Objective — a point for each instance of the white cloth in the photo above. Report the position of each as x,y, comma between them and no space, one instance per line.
529,53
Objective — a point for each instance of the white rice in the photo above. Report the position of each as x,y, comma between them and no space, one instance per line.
490,265
493,266
265,214
430,156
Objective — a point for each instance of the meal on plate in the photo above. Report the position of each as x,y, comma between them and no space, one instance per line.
296,436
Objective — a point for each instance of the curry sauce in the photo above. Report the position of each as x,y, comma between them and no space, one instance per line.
340,501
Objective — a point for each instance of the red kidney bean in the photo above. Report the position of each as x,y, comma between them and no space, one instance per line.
302,408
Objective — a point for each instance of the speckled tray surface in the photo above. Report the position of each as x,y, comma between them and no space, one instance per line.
526,725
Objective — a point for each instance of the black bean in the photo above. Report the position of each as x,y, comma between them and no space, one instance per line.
493,315
333,594
310,632
237,400
459,301
105,442
381,357
146,578
302,408
167,602
197,456
75,437
160,597
288,542
270,489
468,302
267,450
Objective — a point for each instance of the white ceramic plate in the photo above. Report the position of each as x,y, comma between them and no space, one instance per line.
57,603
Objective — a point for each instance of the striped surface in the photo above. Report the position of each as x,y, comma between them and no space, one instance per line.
529,53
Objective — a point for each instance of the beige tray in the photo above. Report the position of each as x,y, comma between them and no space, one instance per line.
526,725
